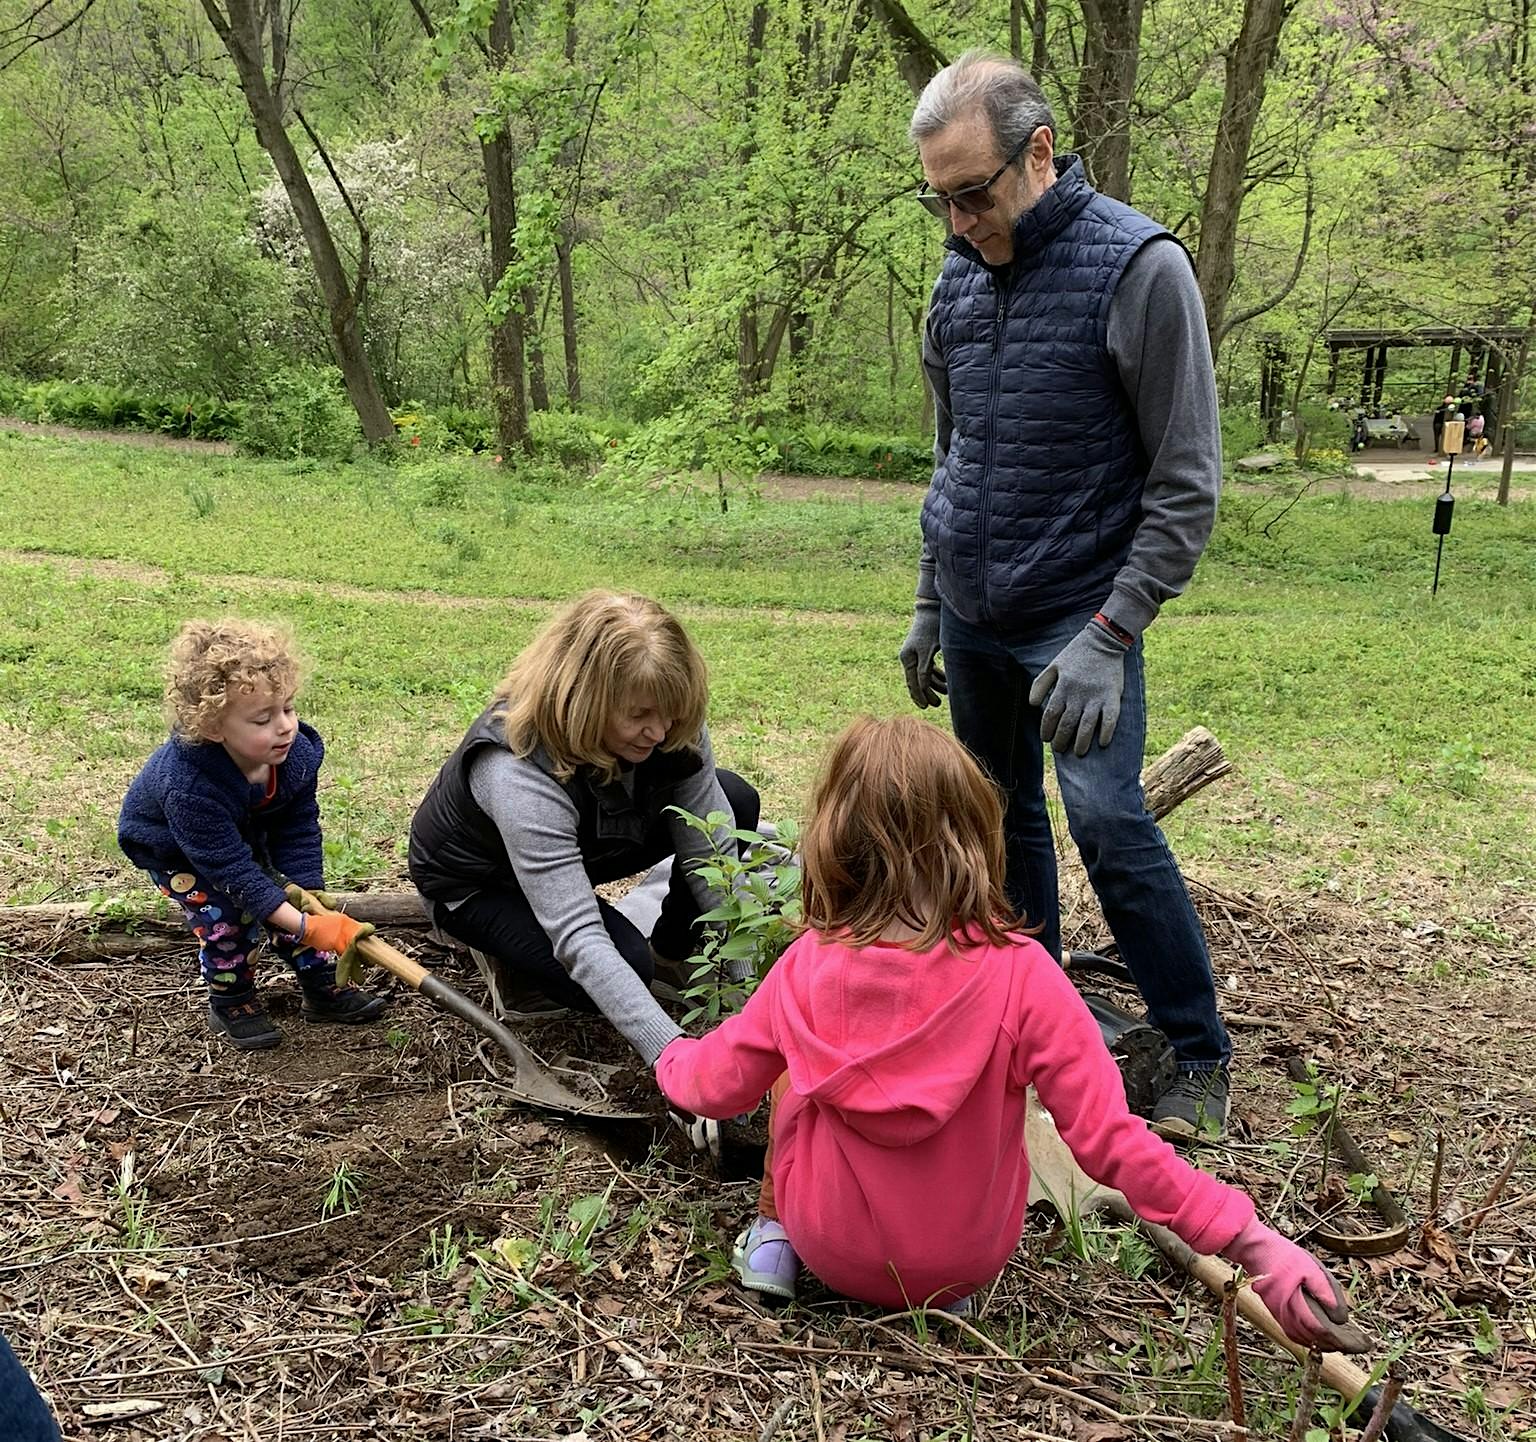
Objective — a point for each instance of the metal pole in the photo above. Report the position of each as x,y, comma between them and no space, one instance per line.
1444,505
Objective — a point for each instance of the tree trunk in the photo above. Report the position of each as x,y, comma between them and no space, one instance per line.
917,57
1038,57
277,32
1248,64
1509,396
508,367
566,243
241,35
748,351
563,250
538,385
1102,128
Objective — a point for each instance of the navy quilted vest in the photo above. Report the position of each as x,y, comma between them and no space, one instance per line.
1031,513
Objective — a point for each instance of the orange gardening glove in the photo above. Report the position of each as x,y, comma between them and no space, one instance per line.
333,931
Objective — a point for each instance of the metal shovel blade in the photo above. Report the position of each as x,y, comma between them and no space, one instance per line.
532,1082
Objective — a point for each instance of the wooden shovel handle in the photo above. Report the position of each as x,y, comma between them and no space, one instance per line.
373,949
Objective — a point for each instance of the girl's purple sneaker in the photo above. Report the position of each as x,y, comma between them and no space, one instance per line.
765,1261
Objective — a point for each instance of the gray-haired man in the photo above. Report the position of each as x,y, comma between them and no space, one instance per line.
1077,466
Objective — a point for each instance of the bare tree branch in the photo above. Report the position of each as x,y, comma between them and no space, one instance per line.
364,236
1270,302
16,40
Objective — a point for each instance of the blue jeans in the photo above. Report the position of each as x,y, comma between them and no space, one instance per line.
24,1416
1132,871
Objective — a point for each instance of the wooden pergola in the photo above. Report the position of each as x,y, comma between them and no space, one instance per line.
1495,358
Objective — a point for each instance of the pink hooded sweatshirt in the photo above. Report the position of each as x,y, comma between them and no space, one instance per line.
899,1168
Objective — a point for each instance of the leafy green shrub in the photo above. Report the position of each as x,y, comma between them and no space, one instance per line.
814,449
757,919
699,441
421,429
1242,432
441,483
90,404
470,429
174,295
573,440
302,411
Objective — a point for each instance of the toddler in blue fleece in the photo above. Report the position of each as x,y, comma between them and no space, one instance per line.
225,812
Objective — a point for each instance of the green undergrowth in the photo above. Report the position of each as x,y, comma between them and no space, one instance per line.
1379,739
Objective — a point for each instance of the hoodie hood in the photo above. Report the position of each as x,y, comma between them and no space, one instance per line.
893,1040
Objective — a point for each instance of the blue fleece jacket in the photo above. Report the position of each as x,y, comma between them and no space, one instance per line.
192,809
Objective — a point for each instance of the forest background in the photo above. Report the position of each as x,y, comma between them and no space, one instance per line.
685,229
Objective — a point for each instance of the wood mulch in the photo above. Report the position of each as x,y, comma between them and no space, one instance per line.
174,1268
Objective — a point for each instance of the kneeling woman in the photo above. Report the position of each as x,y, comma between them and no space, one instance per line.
564,782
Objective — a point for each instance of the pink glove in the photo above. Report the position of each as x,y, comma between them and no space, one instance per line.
1304,1299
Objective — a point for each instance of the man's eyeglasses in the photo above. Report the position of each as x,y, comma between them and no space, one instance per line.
972,199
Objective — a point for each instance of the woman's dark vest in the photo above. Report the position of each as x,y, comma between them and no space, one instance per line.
456,849
1032,511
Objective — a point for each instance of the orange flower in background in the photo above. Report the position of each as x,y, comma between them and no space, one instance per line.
415,440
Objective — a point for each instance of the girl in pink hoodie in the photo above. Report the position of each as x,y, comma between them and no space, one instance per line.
899,1034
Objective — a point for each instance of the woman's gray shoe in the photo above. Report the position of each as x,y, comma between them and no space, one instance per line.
1194,1108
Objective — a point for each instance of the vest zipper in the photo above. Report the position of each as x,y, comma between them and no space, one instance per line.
984,509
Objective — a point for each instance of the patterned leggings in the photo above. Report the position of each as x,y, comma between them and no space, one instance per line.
229,940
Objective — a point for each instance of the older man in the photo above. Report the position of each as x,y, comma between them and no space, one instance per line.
1077,467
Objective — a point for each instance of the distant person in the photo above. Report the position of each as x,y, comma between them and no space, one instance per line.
899,1035
1475,437
224,815
1444,412
1048,549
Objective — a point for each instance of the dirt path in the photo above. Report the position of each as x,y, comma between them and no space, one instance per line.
144,575
144,440
1384,478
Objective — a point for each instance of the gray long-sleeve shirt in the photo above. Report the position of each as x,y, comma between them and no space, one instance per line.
1158,340
537,822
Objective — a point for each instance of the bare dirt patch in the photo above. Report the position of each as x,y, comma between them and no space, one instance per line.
143,440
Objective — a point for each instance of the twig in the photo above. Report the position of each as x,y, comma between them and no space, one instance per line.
1306,1396
1229,1346
821,1435
1434,1176
772,1425
1385,1403
1499,1183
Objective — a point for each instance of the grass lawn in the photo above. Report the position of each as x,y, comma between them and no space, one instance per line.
1383,742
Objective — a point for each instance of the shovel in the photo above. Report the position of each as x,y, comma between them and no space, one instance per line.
1055,1177
532,1081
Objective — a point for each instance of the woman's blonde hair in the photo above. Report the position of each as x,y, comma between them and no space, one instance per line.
598,656
212,662
904,828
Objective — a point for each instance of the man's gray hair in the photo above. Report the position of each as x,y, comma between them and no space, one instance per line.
1002,89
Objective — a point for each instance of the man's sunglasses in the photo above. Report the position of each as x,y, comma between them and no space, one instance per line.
973,199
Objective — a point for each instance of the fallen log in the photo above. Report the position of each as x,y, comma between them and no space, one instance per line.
1189,765
86,931
382,908
82,930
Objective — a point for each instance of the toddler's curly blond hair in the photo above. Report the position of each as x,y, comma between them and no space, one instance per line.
212,662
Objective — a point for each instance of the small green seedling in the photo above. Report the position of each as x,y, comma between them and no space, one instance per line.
758,880
341,1192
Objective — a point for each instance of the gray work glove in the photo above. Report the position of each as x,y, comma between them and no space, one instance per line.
1084,684
919,657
